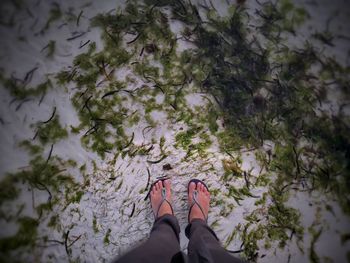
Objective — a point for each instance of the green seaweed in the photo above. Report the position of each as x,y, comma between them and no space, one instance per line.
94,225
53,221
8,189
106,238
55,14
263,89
51,132
51,48
184,138
314,258
25,236
33,149
18,89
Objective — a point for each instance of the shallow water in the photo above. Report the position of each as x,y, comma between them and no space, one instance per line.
78,181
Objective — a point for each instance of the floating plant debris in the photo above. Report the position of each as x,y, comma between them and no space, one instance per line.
183,89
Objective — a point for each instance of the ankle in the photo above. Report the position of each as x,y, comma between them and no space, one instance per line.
196,215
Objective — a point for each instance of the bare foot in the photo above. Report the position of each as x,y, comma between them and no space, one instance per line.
203,198
156,198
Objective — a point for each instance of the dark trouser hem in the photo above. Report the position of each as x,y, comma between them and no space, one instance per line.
162,246
204,245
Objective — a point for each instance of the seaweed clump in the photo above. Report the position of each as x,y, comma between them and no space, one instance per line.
260,90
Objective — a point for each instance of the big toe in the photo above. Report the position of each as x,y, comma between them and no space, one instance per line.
167,185
192,187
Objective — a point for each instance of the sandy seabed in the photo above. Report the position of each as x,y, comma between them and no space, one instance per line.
111,214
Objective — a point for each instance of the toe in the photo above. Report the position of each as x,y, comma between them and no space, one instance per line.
205,190
159,186
200,187
191,188
167,185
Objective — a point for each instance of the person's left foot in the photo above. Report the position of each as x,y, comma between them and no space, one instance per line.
156,198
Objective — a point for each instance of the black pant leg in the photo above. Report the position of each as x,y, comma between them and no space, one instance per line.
163,244
204,246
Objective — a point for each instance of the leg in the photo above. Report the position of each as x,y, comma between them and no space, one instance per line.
204,245
162,246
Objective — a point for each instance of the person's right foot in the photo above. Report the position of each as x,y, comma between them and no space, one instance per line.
203,199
